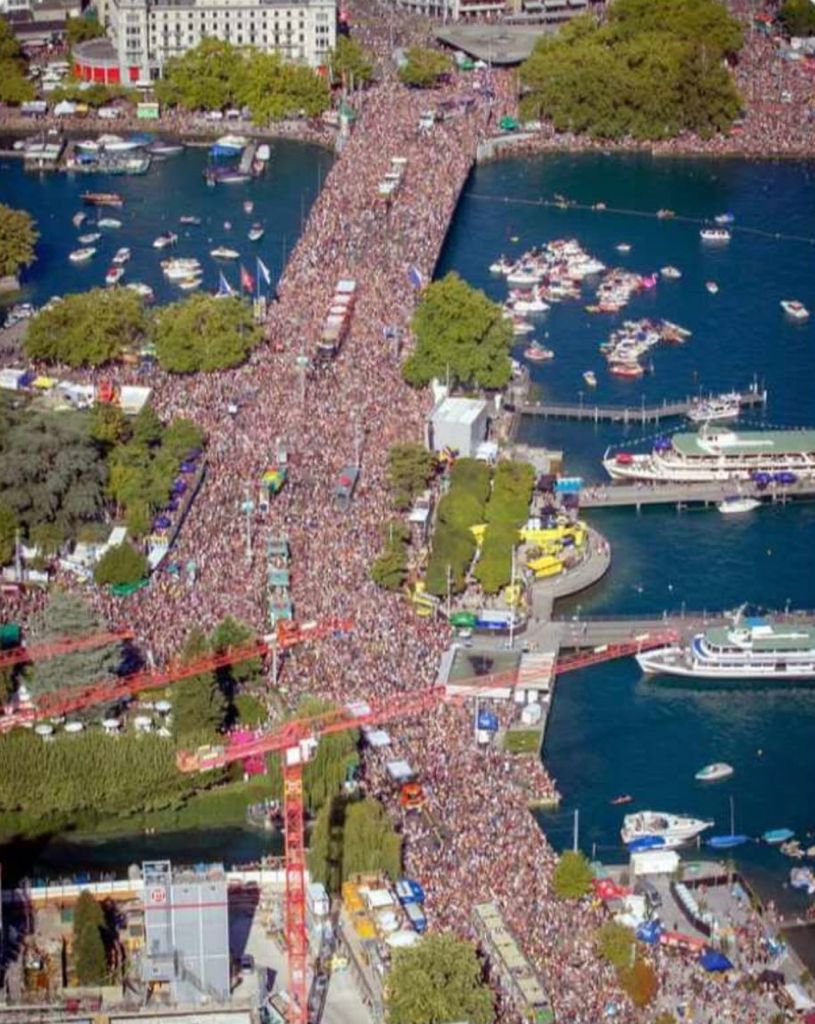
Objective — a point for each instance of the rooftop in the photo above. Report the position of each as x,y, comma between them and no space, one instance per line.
97,51
779,638
459,410
756,442
494,44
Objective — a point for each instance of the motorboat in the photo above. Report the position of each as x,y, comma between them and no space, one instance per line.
672,829
665,214
189,219
109,222
624,798
502,266
236,142
727,842
82,255
90,238
116,144
538,354
529,304
803,878
795,309
102,199
735,504
165,239
178,269
716,407
748,648
79,219
248,206
223,253
144,291
724,218
165,148
793,849
623,247
714,772
712,287
777,836
121,256
626,370
720,453
525,275
671,273
264,153
521,326
716,236
114,275
188,283
256,232
590,377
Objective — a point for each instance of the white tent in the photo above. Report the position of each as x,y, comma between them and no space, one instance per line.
65,109
400,771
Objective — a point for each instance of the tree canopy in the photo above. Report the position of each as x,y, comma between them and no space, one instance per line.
78,30
353,837
650,71
572,876
215,74
8,532
615,943
89,954
89,328
120,564
438,980
18,235
350,62
460,332
199,704
410,468
798,17
423,67
14,86
205,333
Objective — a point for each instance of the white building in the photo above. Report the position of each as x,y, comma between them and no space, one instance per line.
459,424
147,33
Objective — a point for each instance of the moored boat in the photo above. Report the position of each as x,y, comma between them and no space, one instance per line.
109,222
777,836
714,772
165,239
538,354
188,218
188,283
121,256
623,247
716,407
735,504
671,273
223,253
114,275
102,199
178,269
724,218
795,309
590,377
712,287
144,291
716,236
79,219
727,842
90,238
256,232
672,829
82,255
165,148
248,206
625,370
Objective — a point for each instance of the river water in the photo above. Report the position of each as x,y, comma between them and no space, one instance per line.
610,731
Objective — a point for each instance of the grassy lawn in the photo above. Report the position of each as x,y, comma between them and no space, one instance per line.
521,741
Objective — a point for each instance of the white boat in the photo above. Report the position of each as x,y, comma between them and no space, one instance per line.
165,239
82,255
114,275
724,218
671,273
712,287
749,648
121,256
87,145
529,304
142,290
716,236
501,266
735,504
188,283
178,269
721,454
264,152
90,238
672,829
714,772
166,148
716,407
590,377
248,206
232,141
187,218
79,219
521,326
222,253
109,222
538,354
525,275
795,309
256,232
623,247
116,144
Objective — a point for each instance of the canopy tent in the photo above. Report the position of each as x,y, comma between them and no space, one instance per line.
650,932
712,960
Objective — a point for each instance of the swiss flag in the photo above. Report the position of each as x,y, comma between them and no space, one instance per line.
247,281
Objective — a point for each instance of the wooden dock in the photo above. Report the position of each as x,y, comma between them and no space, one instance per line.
629,414
637,494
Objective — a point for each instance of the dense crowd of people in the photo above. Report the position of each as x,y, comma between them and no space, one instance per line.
478,840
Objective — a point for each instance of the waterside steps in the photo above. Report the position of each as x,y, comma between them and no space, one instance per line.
629,414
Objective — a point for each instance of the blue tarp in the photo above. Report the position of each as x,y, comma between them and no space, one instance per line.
228,152
649,932
712,960
568,485
487,720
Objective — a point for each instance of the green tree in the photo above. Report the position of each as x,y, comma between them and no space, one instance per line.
438,980
8,533
493,570
460,332
350,62
182,436
138,518
18,237
423,67
232,632
78,30
273,88
51,472
370,844
89,953
572,876
67,615
87,329
639,982
797,17
410,469
199,704
120,564
615,944
147,427
14,86
325,844
108,424
460,509
205,333
473,476
206,77
390,569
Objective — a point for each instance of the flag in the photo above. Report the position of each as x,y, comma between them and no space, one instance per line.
224,287
247,281
263,272
415,277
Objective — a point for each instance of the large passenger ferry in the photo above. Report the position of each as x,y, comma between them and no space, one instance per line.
720,453
750,648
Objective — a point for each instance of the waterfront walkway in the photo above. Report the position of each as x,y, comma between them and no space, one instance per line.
627,414
637,494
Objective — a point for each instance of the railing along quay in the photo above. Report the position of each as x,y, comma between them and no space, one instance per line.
628,414
635,495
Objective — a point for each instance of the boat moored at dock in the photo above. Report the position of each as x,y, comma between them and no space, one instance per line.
670,830
102,199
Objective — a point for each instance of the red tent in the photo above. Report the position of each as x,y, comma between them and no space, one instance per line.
608,889
681,941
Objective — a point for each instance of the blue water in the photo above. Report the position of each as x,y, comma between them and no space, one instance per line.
611,732
174,187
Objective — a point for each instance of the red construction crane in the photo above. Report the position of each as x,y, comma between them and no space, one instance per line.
62,702
64,645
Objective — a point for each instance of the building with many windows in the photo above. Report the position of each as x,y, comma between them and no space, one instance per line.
145,34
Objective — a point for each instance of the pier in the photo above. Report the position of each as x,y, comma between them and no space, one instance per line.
637,494
629,414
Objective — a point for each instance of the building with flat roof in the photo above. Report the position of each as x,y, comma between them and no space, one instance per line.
459,424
